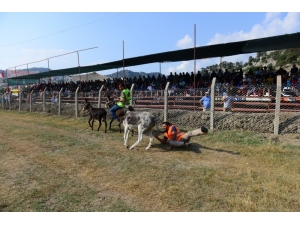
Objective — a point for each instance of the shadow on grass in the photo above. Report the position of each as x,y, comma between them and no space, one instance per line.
195,147
222,150
164,148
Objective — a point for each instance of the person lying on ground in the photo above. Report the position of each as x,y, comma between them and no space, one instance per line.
176,138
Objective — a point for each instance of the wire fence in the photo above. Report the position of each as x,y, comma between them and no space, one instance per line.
265,109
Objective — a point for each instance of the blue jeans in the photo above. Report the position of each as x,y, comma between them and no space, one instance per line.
113,111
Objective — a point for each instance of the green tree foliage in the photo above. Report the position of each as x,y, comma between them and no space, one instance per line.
264,59
282,58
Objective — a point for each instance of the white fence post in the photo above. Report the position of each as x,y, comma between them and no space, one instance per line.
30,101
9,100
76,102
131,94
59,101
212,103
20,100
44,100
277,106
100,96
166,102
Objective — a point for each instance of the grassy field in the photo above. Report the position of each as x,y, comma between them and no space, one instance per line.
51,163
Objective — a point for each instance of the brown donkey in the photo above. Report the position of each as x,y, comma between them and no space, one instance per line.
95,113
120,113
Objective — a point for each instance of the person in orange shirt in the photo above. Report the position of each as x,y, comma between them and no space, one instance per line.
176,138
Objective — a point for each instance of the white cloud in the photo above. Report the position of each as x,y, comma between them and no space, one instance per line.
182,67
188,66
271,15
186,42
273,24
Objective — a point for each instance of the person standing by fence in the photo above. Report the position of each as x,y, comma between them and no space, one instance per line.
205,102
6,98
228,99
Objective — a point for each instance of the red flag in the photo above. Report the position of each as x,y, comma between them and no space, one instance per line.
2,74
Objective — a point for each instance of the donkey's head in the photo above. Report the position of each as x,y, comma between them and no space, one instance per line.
86,105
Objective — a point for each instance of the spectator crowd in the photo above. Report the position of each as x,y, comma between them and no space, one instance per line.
224,79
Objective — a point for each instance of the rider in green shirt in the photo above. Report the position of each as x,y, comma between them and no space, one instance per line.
122,101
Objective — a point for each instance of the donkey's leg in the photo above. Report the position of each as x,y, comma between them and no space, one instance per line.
90,122
126,132
140,136
99,119
111,123
121,121
93,123
120,115
151,139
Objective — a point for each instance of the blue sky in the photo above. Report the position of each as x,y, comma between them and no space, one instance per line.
30,35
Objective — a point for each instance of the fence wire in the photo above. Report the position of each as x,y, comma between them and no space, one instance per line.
264,109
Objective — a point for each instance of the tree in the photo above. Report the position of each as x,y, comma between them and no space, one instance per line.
259,54
230,65
238,65
224,64
250,60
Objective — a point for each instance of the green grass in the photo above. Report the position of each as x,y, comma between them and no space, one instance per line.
58,164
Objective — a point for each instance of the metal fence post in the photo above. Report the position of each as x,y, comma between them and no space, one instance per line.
59,101
20,100
131,94
9,100
100,96
30,101
2,102
166,102
212,103
277,106
76,102
44,100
